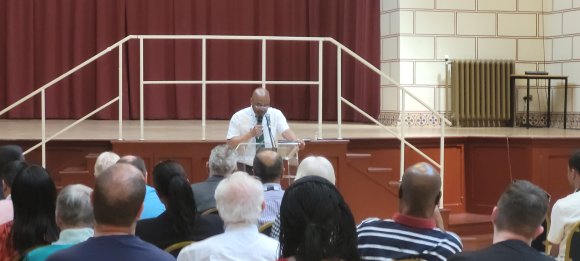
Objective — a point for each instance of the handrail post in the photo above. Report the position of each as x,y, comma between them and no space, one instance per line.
442,161
339,91
141,106
120,92
320,45
402,168
43,120
264,63
203,85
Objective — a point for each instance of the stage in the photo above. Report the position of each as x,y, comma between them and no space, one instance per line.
190,130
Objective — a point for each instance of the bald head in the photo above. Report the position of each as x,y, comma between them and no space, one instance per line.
136,161
268,166
260,101
118,195
420,190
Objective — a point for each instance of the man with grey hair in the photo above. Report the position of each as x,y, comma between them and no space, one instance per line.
105,160
316,166
222,162
239,201
74,216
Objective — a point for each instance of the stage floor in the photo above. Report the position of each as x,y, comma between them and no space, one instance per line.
190,130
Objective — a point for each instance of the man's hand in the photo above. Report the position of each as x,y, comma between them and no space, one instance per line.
257,130
301,144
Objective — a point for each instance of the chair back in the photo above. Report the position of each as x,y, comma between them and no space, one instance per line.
266,228
573,243
176,248
210,211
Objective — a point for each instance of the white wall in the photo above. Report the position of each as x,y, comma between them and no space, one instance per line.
417,34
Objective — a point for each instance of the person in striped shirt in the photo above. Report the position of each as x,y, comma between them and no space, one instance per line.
411,233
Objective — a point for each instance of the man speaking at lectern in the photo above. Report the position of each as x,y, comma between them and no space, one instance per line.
258,126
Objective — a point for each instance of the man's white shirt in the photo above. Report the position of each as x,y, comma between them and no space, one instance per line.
244,120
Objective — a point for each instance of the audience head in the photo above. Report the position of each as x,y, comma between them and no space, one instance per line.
521,209
33,198
8,173
268,166
574,169
174,190
105,160
136,161
260,101
118,196
239,199
222,160
73,207
8,153
420,190
316,166
316,223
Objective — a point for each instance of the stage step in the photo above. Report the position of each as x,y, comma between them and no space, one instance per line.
75,175
466,224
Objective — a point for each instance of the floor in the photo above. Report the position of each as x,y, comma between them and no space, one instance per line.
216,130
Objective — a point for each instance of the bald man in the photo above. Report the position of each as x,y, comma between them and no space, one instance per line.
117,204
152,206
260,125
412,233
269,167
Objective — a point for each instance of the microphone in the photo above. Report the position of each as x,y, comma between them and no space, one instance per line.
274,147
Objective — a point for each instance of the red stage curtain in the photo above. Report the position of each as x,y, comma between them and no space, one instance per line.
41,39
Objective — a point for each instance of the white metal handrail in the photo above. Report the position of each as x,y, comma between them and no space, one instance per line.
263,82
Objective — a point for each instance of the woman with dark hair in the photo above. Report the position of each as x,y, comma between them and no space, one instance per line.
33,196
315,223
180,221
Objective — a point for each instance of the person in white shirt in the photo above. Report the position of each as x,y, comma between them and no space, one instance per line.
566,211
258,126
240,201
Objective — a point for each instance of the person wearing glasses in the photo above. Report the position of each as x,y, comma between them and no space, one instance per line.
256,127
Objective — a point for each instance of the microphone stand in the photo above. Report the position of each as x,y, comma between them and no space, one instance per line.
274,147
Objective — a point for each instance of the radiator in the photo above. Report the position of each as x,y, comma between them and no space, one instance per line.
481,95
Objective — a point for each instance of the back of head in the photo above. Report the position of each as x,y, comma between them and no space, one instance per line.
33,198
316,166
10,153
239,199
105,160
574,161
268,166
222,160
73,207
118,195
8,173
136,161
420,190
170,181
316,223
521,209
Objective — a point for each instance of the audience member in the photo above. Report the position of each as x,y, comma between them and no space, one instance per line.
34,224
316,166
316,223
566,211
7,175
269,167
152,206
412,233
239,200
105,160
8,153
74,216
180,222
517,220
222,162
309,166
117,204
